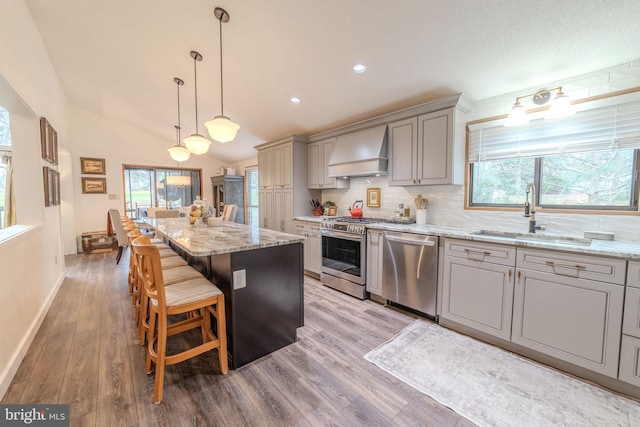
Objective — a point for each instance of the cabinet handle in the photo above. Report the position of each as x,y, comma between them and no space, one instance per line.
510,273
483,253
577,266
414,181
419,181
518,274
265,223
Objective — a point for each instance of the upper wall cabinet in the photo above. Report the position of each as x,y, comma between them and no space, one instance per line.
276,167
318,159
428,149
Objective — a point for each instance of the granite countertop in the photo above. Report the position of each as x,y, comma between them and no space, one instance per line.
619,249
213,240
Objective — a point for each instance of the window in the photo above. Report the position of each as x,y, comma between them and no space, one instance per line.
253,213
169,188
588,161
5,156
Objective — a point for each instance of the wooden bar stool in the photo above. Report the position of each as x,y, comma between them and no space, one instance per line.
195,295
172,274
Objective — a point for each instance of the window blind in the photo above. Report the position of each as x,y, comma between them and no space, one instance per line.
600,125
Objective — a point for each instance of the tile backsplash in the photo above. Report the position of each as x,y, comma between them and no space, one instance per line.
446,208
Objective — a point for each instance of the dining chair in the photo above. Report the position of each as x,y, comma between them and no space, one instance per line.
229,212
198,296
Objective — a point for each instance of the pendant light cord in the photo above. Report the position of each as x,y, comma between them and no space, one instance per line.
221,85
178,127
195,80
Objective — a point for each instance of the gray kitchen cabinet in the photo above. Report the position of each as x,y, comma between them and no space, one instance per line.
478,286
312,246
630,360
265,171
318,161
630,349
375,242
570,307
428,149
631,320
282,177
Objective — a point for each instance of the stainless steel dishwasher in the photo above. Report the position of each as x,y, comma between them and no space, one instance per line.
410,270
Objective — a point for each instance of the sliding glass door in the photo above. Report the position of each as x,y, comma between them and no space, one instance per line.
169,188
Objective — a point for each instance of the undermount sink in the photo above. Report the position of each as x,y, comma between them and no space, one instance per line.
549,238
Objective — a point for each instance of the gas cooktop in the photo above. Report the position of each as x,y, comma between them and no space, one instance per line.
355,225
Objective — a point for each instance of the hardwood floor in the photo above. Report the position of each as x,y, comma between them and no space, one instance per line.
86,354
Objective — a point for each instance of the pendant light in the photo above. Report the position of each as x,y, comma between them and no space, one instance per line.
178,152
221,128
196,143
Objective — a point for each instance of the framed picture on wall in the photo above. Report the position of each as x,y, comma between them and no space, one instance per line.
373,197
53,147
94,185
45,181
90,165
44,137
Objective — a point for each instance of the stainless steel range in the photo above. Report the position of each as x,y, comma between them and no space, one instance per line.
344,254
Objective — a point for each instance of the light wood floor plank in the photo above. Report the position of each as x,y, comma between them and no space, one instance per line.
87,354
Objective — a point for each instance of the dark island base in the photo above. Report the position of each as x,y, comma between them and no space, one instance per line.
263,316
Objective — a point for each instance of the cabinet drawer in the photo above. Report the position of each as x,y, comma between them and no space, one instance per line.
630,360
633,274
480,251
602,269
631,323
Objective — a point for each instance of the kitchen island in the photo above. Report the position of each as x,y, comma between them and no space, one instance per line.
260,272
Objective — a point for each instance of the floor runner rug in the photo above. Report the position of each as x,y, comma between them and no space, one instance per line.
493,387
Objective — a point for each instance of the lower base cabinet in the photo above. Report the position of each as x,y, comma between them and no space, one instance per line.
572,319
630,360
479,295
312,245
375,240
478,286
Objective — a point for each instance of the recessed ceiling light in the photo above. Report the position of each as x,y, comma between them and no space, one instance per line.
359,67
295,100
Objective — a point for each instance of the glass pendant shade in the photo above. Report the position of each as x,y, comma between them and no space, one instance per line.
560,107
222,129
197,144
517,116
179,153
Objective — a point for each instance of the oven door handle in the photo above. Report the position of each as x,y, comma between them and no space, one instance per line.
339,234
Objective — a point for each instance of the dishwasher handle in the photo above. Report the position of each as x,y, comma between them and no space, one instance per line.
414,242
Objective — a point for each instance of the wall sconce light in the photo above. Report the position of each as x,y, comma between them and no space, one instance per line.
178,152
560,106
221,128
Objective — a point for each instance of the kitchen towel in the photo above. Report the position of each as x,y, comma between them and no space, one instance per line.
493,387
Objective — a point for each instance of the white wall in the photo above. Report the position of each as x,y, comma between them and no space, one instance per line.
446,202
31,263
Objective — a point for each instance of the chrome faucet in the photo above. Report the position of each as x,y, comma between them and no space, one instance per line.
530,209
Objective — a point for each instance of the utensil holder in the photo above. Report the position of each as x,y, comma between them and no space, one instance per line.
421,216
318,211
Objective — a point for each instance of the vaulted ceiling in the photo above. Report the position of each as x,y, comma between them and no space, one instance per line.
118,58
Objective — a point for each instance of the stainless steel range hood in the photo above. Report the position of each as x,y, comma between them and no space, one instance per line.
362,153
